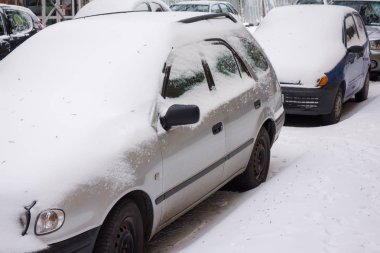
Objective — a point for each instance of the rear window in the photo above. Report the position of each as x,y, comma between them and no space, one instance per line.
190,7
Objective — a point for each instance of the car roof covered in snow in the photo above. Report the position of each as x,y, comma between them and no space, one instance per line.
303,41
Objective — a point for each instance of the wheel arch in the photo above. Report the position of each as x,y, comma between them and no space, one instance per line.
343,86
270,126
144,203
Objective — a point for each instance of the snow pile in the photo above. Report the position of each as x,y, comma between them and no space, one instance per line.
303,42
322,194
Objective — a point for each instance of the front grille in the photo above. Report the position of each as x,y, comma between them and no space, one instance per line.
300,102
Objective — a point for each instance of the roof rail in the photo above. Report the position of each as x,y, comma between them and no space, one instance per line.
208,16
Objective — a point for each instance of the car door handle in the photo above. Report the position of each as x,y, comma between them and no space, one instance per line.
257,104
217,128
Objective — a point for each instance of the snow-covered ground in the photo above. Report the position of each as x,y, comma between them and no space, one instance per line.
322,194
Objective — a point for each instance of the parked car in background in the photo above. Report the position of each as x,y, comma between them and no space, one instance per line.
16,25
142,126
317,74
313,1
370,13
99,7
206,6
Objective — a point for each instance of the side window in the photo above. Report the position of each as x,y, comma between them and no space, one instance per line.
224,8
352,37
252,54
156,7
215,8
2,28
361,29
20,21
186,73
142,7
222,63
232,9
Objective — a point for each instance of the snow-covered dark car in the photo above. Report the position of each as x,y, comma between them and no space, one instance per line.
17,24
320,62
121,136
370,13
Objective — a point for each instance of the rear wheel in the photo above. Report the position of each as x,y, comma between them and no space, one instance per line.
258,165
334,116
122,231
363,93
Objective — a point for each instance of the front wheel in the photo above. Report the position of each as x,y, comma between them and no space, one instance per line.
258,164
363,93
122,231
336,112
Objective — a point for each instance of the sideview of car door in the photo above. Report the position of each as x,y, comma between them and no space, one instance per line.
193,155
234,84
354,60
5,46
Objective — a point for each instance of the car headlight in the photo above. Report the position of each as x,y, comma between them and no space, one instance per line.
49,221
322,81
374,44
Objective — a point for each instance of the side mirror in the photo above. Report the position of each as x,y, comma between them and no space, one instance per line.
179,115
355,49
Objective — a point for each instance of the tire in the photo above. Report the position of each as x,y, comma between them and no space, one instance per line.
363,93
122,231
373,77
258,165
334,116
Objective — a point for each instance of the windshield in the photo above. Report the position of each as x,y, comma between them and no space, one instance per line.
370,11
190,7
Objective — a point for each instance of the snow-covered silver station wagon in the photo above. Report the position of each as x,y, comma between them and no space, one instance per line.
126,131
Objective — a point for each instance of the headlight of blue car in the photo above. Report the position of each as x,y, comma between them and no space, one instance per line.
374,44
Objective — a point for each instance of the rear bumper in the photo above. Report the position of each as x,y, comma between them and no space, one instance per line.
309,101
82,243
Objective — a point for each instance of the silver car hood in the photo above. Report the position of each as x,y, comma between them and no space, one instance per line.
373,32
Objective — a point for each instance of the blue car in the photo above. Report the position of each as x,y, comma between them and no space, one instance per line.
321,57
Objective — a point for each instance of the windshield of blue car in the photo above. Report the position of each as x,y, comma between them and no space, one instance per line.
370,11
190,7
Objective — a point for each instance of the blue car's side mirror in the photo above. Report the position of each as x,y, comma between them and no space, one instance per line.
355,49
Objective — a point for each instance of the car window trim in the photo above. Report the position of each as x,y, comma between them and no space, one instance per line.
361,19
345,28
235,54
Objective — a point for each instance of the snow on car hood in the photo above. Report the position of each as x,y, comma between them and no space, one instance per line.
73,99
373,32
300,44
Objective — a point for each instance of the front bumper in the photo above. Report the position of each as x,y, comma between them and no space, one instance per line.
309,101
375,62
82,243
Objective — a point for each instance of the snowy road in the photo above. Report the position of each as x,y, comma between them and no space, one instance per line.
322,194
